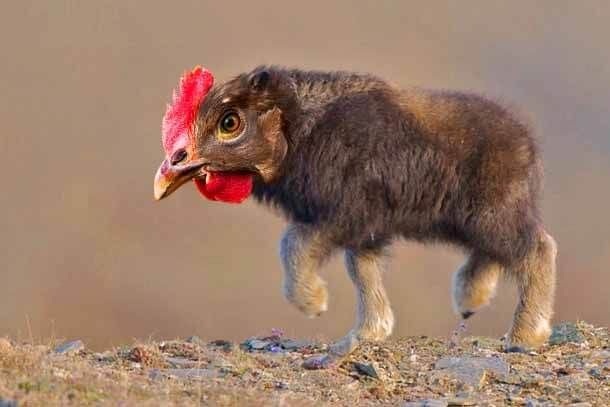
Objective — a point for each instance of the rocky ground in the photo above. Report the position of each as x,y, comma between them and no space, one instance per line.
573,369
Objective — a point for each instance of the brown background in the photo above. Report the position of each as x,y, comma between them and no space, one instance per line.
85,252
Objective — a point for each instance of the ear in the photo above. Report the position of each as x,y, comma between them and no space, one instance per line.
260,80
270,125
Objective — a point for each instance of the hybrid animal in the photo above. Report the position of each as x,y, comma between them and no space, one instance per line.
354,163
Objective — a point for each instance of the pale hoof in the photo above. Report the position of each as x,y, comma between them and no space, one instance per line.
311,297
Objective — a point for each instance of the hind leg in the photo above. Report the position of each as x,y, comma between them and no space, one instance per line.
302,252
535,277
474,284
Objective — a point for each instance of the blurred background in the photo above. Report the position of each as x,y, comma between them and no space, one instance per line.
85,252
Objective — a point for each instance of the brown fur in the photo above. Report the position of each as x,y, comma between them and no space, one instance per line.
354,163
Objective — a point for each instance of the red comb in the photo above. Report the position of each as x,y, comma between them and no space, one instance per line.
181,113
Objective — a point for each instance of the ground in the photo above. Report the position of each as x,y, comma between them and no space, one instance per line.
417,371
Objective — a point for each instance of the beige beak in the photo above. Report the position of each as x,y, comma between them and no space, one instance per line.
169,178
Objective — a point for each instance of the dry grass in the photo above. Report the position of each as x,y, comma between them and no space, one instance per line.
194,373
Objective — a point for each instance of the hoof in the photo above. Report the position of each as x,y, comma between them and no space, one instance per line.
311,297
467,314
516,349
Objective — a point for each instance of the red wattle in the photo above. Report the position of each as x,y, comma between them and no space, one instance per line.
232,187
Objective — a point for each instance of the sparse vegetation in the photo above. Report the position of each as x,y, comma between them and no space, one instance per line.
268,371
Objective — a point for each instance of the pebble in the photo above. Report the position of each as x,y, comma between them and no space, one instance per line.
471,369
257,344
221,363
195,340
319,362
426,403
366,369
516,349
70,347
157,374
574,379
597,373
183,362
281,385
8,403
275,344
461,401
600,355
353,385
226,346
511,379
292,345
104,357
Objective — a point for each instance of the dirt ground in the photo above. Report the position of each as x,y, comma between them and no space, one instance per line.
574,368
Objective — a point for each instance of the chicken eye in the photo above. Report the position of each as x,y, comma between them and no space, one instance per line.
229,123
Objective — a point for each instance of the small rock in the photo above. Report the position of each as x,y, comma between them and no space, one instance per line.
156,374
70,347
5,346
293,345
193,373
575,379
281,385
353,385
461,401
516,349
8,403
195,340
600,355
183,362
532,379
366,369
257,344
319,362
275,349
426,403
471,370
564,371
104,357
597,373
584,404
566,332
487,343
226,346
516,400
511,379
221,363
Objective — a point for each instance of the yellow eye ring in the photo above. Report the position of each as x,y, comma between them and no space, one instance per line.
229,125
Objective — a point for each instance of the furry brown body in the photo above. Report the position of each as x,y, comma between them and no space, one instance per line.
354,163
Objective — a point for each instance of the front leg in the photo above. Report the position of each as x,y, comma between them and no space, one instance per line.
303,251
374,320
